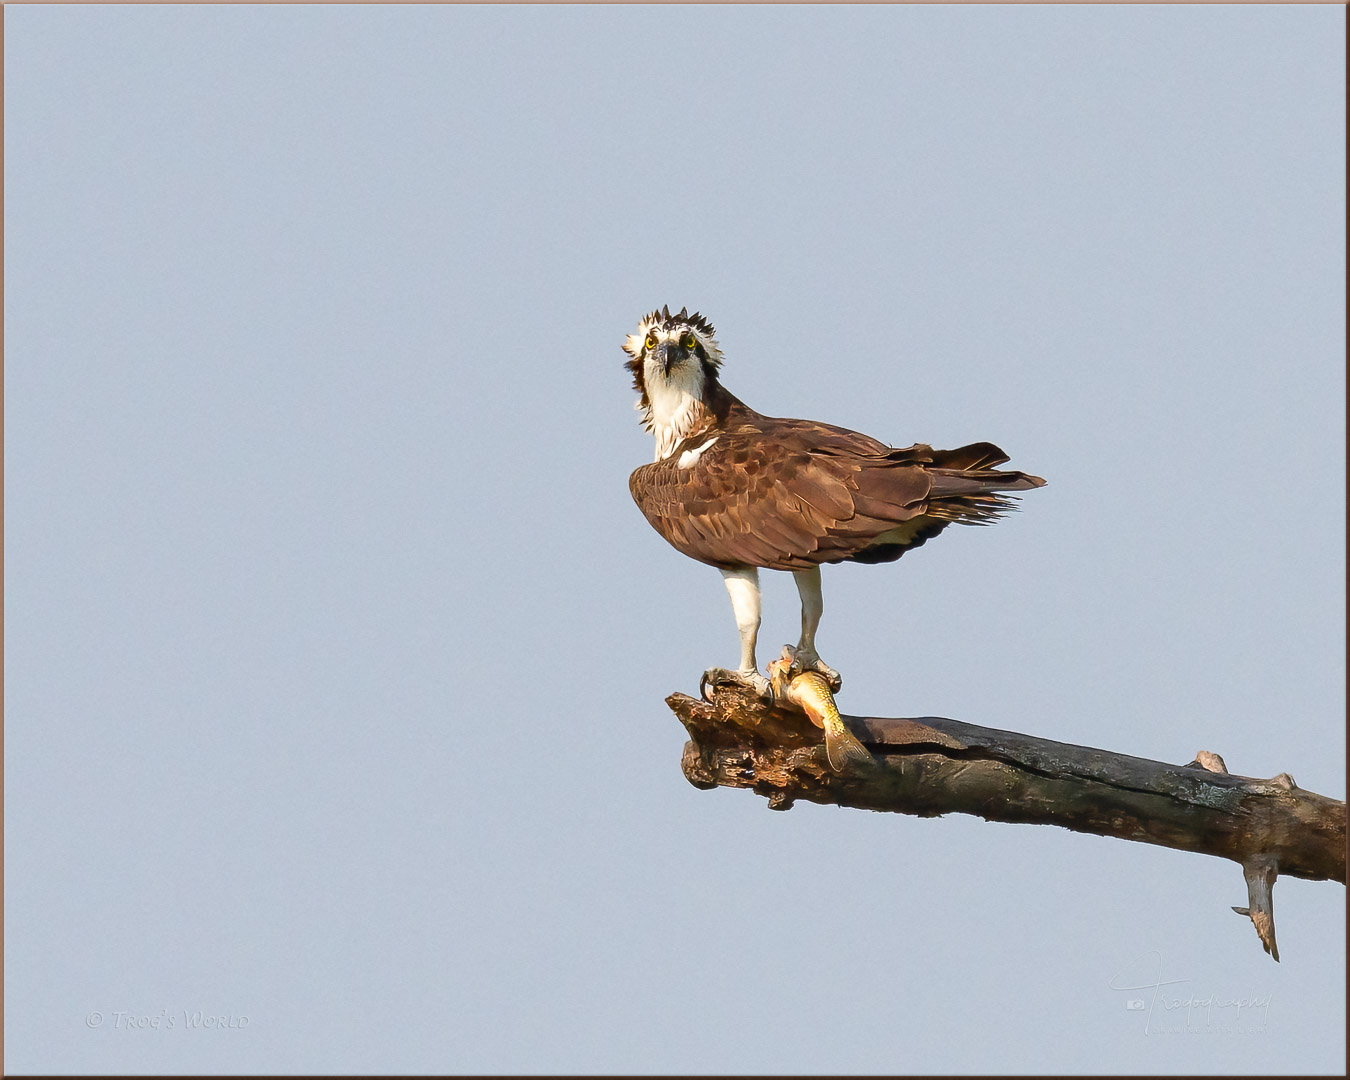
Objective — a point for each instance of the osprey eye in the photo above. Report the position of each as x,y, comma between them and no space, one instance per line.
690,341
651,341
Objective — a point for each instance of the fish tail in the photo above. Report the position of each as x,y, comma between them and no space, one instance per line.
842,746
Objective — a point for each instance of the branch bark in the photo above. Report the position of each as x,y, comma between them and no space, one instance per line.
930,766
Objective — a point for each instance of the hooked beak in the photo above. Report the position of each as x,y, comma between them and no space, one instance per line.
667,354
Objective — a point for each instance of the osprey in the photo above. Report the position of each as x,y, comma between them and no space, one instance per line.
740,491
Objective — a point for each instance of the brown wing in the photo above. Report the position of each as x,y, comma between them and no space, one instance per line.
789,494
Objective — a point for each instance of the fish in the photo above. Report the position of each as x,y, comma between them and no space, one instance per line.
810,692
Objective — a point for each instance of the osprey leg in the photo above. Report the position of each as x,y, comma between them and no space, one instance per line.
807,659
743,587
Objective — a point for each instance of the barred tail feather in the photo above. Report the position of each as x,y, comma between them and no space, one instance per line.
977,496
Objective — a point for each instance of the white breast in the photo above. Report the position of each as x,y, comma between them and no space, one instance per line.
676,404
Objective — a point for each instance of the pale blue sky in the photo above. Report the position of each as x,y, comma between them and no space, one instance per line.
336,649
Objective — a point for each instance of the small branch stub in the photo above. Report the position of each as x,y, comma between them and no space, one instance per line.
1212,762
1260,873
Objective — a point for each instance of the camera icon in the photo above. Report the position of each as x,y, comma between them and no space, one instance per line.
1135,1005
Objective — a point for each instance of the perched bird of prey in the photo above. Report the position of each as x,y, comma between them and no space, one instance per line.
741,491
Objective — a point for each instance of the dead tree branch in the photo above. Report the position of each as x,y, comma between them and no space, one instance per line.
931,766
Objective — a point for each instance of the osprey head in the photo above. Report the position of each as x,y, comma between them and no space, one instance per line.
671,357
